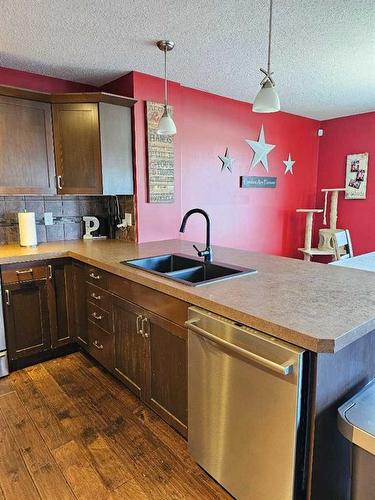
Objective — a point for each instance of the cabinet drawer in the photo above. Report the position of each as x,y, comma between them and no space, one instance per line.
26,272
157,302
101,346
99,297
97,277
99,317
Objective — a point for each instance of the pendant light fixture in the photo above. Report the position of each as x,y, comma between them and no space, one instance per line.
267,100
166,124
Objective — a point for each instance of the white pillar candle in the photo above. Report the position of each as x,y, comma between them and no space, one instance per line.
27,229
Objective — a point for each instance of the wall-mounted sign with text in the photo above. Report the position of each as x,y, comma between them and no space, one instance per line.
254,181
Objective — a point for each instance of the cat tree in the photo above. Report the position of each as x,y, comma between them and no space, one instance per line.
326,235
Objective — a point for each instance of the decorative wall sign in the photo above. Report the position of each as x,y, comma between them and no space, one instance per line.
261,150
356,176
254,181
160,157
227,161
289,165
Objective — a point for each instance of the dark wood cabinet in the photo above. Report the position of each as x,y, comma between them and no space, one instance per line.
93,148
166,370
79,306
27,319
59,284
26,154
151,359
129,345
77,148
36,306
140,339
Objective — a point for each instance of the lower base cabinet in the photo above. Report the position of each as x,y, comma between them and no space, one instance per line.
151,360
36,310
50,304
78,318
27,320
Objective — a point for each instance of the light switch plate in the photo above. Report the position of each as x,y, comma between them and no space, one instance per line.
48,218
128,219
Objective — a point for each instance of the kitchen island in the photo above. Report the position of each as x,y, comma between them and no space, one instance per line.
306,304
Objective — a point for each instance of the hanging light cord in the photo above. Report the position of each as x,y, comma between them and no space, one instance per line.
268,73
165,78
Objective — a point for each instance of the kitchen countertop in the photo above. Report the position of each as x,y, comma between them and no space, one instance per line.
365,262
319,307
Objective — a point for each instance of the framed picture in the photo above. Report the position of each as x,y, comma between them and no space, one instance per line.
356,176
160,157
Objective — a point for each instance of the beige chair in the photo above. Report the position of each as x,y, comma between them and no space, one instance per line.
343,245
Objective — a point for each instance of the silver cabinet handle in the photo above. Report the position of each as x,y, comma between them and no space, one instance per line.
7,297
145,328
49,271
283,369
59,182
95,276
97,345
25,271
96,297
139,324
96,316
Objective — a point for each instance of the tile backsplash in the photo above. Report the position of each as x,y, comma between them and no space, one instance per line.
67,214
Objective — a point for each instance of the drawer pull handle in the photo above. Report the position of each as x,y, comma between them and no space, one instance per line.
97,345
50,272
145,328
7,297
59,182
25,271
96,316
96,297
139,324
95,276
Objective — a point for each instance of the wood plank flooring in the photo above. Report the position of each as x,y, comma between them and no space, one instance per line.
69,430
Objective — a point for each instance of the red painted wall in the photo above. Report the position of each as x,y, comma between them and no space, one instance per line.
343,136
254,219
40,83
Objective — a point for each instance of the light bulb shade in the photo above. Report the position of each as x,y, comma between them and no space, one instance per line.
267,100
166,124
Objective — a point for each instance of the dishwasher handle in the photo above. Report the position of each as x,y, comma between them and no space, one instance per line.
283,369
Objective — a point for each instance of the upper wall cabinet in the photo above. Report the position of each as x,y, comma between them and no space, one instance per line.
26,147
85,149
93,147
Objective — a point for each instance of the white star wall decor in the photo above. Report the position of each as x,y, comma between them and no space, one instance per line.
289,165
261,150
226,161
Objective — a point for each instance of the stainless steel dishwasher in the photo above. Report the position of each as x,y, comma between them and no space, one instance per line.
245,399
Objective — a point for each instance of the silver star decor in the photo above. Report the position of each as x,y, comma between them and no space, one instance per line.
226,161
261,150
289,165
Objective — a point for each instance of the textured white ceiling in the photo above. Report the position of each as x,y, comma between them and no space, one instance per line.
323,50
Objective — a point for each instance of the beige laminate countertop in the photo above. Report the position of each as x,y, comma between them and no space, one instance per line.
315,306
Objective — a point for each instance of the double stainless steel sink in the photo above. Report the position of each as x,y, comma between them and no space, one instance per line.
188,270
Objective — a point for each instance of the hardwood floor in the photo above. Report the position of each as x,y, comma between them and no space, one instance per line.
70,430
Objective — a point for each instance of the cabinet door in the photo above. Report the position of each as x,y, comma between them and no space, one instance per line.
79,304
77,148
166,370
59,284
26,155
129,345
26,318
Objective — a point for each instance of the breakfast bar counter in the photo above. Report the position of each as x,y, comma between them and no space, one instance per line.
318,307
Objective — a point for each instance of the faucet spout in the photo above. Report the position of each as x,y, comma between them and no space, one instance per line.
207,253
